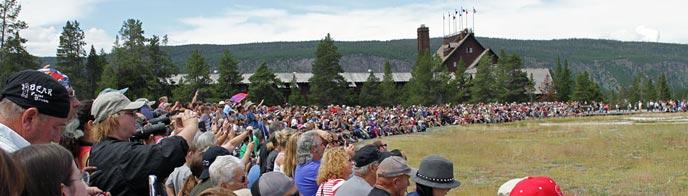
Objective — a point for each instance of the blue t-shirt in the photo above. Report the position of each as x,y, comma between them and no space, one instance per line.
305,176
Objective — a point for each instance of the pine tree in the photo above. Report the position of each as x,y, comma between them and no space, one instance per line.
93,70
162,67
482,85
264,86
563,81
108,78
70,55
515,81
635,94
581,89
462,83
389,93
419,88
663,90
13,55
326,85
295,97
229,78
130,60
370,92
649,90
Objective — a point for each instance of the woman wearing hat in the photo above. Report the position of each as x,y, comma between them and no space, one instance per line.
435,177
123,167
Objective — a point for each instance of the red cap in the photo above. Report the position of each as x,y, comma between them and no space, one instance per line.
536,186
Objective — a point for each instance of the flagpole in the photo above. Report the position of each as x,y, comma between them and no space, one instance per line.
443,32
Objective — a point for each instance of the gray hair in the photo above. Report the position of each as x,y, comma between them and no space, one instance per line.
205,140
363,170
10,110
304,145
224,169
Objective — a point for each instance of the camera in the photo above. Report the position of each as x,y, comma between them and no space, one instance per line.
145,131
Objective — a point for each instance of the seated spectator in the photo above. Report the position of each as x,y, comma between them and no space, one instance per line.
33,110
435,177
366,160
12,180
274,183
392,177
228,172
530,186
123,166
309,151
334,170
50,170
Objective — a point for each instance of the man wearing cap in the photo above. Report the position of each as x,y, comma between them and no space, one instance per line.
33,110
366,160
392,177
209,157
123,167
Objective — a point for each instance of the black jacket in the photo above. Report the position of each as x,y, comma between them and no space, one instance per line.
123,167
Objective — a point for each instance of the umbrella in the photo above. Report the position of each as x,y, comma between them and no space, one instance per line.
238,97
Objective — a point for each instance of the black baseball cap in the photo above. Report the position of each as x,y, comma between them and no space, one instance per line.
31,88
366,155
209,157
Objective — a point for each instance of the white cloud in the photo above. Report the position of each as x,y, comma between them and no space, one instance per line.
46,19
99,39
525,19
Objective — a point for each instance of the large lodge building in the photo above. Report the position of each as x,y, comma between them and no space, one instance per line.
461,45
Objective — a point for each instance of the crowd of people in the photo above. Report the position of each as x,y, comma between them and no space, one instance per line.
114,146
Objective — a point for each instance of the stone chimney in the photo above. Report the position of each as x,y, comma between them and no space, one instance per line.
423,39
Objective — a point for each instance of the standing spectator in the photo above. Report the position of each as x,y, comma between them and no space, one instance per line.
209,156
392,177
174,182
50,171
366,160
382,146
435,177
290,155
122,166
228,172
531,186
309,151
33,110
12,180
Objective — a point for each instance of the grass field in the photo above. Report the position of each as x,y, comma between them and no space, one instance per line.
641,154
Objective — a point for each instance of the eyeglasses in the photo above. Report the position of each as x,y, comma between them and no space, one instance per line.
129,112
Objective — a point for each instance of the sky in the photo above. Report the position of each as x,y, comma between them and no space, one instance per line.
242,21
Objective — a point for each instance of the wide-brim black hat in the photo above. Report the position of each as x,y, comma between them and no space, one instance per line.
436,172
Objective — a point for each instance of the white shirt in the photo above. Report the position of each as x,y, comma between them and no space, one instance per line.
11,141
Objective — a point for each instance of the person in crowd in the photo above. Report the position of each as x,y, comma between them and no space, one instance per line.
290,155
123,166
281,139
228,172
174,182
334,170
366,160
530,186
12,180
435,177
209,157
382,146
274,183
51,170
309,151
392,177
33,110
196,168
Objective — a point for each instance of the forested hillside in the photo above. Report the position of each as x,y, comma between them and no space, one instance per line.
611,63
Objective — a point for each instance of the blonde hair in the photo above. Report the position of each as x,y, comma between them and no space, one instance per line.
333,165
290,155
105,127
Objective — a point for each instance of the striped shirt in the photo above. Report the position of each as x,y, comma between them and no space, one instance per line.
330,187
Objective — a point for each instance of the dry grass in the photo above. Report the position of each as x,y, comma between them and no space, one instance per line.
643,158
